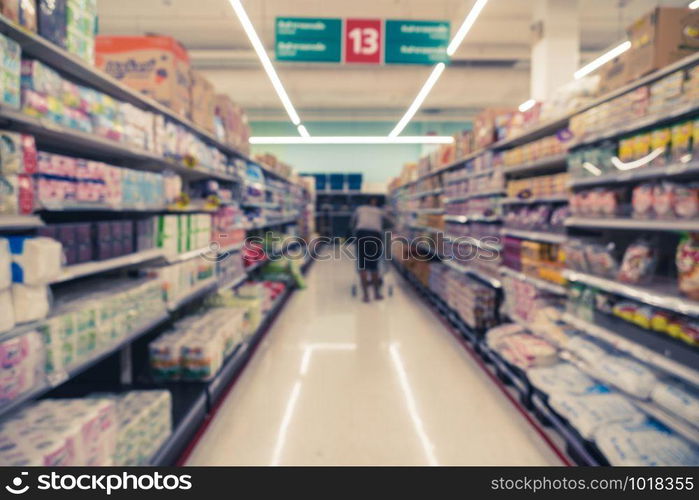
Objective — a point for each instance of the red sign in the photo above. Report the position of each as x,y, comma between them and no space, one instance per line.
363,41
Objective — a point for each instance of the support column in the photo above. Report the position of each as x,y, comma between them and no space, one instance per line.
556,47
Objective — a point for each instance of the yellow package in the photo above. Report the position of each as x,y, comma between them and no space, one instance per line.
626,149
682,139
641,145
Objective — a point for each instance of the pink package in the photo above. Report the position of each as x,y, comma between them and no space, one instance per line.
29,154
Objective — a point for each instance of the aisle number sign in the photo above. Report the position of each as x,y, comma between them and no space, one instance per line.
308,39
361,41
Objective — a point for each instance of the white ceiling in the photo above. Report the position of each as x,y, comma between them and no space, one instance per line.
491,67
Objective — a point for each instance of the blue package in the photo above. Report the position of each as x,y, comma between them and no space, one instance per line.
52,18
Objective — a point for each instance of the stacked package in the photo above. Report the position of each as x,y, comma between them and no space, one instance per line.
182,278
90,317
17,164
198,347
184,233
96,431
145,423
64,182
520,348
70,432
523,300
81,27
22,363
10,73
34,264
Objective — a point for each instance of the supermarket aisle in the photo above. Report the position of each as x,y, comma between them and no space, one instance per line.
340,382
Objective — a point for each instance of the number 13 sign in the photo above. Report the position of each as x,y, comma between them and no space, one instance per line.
363,41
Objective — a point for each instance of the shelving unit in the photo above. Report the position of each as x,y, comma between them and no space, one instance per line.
562,198
535,235
539,166
639,174
537,282
89,268
634,224
19,222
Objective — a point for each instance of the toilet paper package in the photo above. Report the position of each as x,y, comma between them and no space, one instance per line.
31,303
626,374
21,365
590,412
7,311
677,398
560,378
60,341
35,261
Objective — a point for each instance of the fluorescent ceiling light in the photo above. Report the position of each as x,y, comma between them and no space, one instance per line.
602,60
694,4
527,105
303,131
427,139
465,27
264,59
421,96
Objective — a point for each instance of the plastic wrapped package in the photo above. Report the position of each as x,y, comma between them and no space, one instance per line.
31,303
35,261
21,365
639,262
145,422
677,398
687,259
560,378
630,376
589,412
587,350
525,351
644,443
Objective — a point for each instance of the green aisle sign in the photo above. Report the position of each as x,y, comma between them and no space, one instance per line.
417,42
304,39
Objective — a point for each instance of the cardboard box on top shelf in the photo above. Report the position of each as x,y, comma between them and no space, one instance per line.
157,66
202,107
662,36
616,73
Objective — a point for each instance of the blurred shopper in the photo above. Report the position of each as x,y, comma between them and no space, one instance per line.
367,223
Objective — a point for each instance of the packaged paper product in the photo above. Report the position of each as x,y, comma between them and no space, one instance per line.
35,446
677,398
560,378
590,412
496,334
31,303
644,443
7,311
628,375
21,365
165,354
35,261
145,422
202,355
526,351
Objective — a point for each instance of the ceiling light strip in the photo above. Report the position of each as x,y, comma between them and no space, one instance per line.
527,105
421,96
428,139
303,131
264,59
694,5
602,60
465,27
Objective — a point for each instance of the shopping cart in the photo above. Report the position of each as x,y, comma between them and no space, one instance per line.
384,273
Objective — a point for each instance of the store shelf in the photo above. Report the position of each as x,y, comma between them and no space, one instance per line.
199,252
634,224
482,194
539,166
639,174
467,219
424,194
89,268
476,242
199,291
426,211
671,114
649,347
189,411
56,379
475,272
280,222
535,235
426,228
663,295
572,438
49,135
559,198
19,222
537,282
259,204
538,131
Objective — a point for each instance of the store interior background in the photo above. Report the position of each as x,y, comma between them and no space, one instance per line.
498,66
